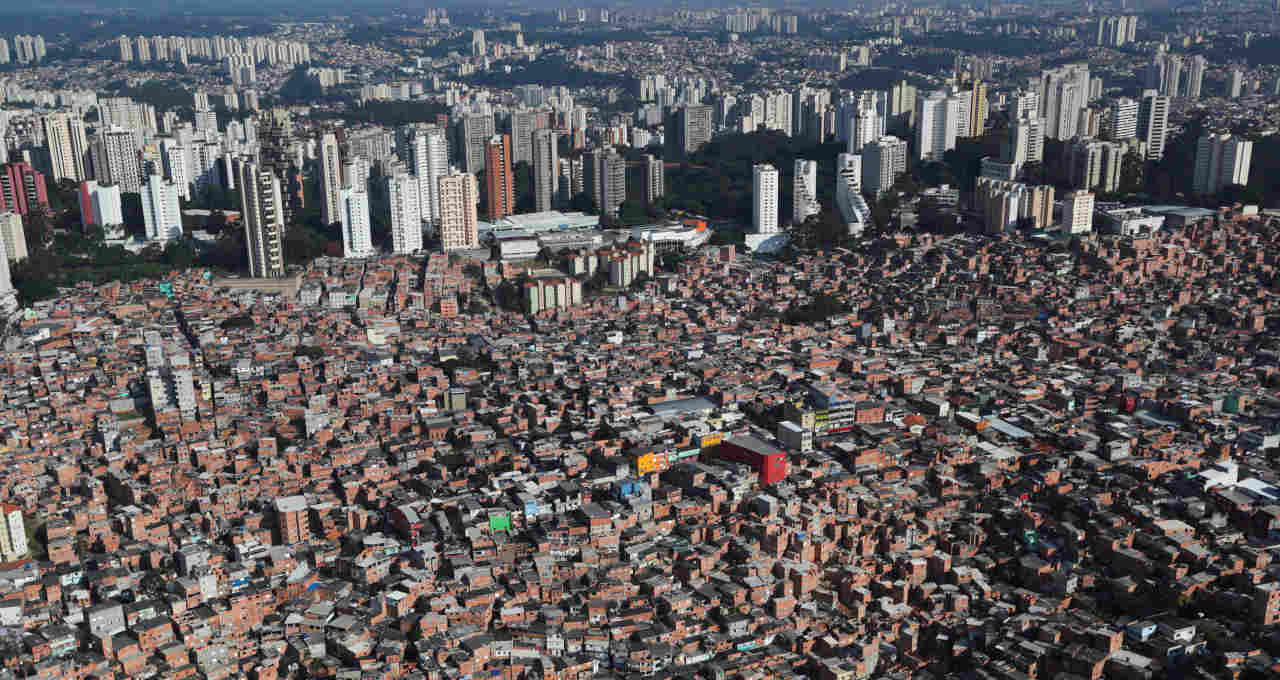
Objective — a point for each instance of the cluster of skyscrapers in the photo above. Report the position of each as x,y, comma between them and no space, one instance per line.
878,164
180,49
1006,203
582,15
27,49
870,165
941,117
760,19
1064,94
435,175
1117,31
1173,75
687,128
1221,160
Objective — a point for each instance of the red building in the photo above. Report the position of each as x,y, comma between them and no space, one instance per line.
499,184
22,189
86,204
769,461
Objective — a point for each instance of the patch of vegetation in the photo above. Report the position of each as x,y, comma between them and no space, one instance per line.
241,321
821,308
37,546
716,181
394,114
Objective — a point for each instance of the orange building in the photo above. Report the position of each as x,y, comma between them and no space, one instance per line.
498,183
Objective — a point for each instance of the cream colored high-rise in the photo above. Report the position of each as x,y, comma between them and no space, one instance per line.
68,147
13,533
406,213
15,239
764,196
546,169
977,109
160,209
1221,160
357,239
330,179
117,159
428,160
1077,212
6,279
458,211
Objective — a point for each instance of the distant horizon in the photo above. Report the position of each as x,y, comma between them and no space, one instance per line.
233,7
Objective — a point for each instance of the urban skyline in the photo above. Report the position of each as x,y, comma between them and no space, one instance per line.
677,342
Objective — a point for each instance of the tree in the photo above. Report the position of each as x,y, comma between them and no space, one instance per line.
217,220
823,231
726,238
934,173
716,181
507,294
821,308
882,211
584,203
906,184
70,218
38,229
131,210
965,161
596,282
1034,173
213,196
670,260
1237,193
1169,176
522,176
394,114
930,214
228,252
61,193
152,252
633,212
1054,166
482,188
301,88
32,279
179,254
310,351
163,94
1132,173
302,244
241,321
